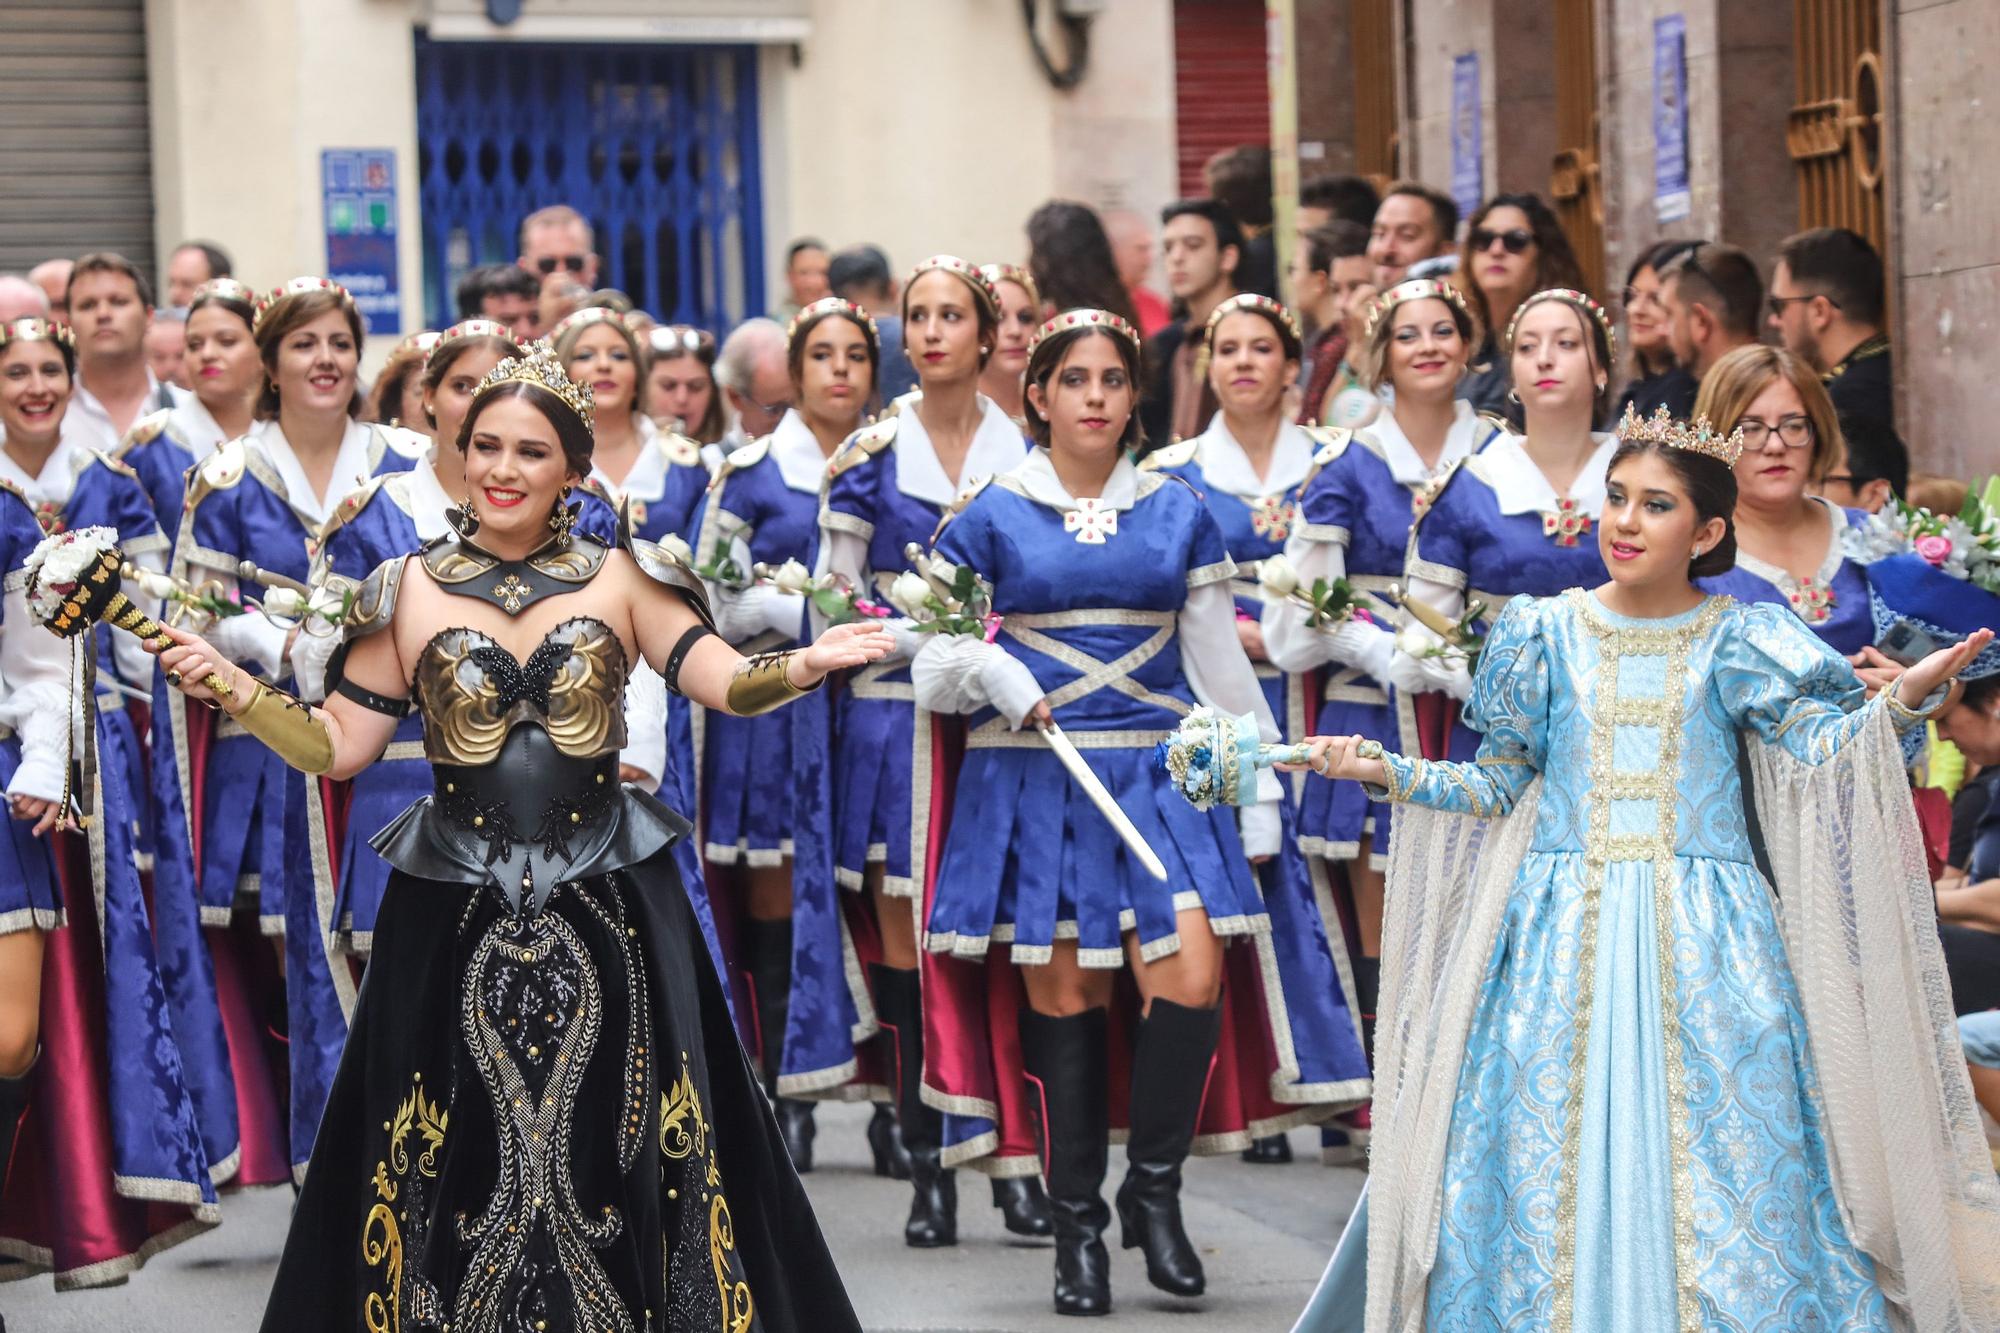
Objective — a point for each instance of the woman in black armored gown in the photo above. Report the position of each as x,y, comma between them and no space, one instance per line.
543,1119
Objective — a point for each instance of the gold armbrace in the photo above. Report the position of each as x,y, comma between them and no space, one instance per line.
762,683
290,728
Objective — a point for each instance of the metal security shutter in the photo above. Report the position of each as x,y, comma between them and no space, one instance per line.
76,169
1222,96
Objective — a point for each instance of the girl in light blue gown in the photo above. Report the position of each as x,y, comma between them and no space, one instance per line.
1622,1083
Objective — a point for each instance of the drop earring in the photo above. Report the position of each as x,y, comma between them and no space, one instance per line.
563,518
462,518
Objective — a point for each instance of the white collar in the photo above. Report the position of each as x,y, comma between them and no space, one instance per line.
996,446
198,429
428,501
351,468
647,481
1520,488
1405,464
1226,466
1038,481
795,449
1829,564
58,476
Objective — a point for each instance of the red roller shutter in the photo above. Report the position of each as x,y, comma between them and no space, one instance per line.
1221,95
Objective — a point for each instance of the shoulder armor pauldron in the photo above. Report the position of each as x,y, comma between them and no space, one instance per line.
350,508
663,565
221,470
679,450
1425,497
864,444
958,505
144,431
1178,454
1331,442
745,456
115,463
375,598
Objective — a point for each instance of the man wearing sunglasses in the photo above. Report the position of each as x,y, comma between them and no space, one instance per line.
556,244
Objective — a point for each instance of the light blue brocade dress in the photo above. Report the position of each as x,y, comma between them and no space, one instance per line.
1636,1138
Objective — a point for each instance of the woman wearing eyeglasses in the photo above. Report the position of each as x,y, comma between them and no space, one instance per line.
1789,547
680,383
1657,378
1514,246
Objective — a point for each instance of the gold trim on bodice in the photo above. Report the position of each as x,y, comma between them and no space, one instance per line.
473,692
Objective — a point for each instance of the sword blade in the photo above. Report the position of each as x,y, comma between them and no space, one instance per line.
1102,799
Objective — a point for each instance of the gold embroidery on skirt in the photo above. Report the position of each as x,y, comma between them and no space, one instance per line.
382,1233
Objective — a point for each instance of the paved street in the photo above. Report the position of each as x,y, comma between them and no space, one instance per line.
1265,1233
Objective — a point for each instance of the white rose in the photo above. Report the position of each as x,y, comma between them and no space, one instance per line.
286,602
1414,641
156,584
677,548
908,593
792,577
1276,577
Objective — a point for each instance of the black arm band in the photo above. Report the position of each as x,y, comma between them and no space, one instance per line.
381,703
672,674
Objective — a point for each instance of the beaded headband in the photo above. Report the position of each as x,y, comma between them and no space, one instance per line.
537,365
298,287
970,274
1263,305
1581,300
468,328
1077,319
35,329
423,340
813,311
1697,436
1416,289
224,289
584,318
1016,274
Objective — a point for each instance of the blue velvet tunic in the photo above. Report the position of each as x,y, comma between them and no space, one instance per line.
1833,601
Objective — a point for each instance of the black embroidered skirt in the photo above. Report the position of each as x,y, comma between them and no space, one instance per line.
548,1124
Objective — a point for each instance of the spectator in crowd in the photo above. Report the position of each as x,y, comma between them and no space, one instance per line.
1325,199
680,382
397,396
1413,224
166,346
1940,495
52,276
504,293
755,378
21,299
1826,305
561,297
112,305
1131,239
1070,256
1968,895
1330,269
557,242
1713,297
1876,465
1657,378
1240,180
861,274
1202,245
806,278
190,265
1514,248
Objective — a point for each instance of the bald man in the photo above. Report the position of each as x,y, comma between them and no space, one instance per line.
21,299
52,276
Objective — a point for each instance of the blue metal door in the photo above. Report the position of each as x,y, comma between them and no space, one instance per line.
656,145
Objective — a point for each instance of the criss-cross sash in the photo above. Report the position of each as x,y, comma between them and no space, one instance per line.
1095,674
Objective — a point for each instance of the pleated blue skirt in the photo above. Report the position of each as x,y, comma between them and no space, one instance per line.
1335,816
747,788
30,897
872,766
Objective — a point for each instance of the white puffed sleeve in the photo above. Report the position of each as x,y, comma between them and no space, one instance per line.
1409,669
36,700
646,725
960,673
1221,676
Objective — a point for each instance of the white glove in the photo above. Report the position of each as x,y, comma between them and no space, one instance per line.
909,641
1260,829
958,673
311,655
740,615
250,640
43,715
1365,646
1416,674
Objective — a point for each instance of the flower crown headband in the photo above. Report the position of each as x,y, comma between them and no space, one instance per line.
1078,319
1416,289
970,274
813,311
538,365
995,274
1263,305
1697,436
298,287
469,328
35,329
1568,296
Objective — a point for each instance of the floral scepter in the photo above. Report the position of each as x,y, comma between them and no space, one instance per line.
1212,759
1329,603
208,599
832,595
289,604
943,598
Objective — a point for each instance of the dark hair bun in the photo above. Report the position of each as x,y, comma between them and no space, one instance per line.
1719,558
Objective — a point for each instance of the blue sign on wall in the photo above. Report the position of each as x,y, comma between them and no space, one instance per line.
1671,199
358,194
1468,144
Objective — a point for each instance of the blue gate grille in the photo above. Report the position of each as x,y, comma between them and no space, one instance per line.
656,145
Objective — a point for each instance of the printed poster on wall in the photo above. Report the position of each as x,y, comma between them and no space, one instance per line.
358,193
1671,200
1468,168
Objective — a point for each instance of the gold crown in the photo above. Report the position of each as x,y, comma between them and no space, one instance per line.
970,274
814,311
1077,319
35,329
469,328
538,365
298,287
1016,274
1568,296
1696,436
1416,289
1263,305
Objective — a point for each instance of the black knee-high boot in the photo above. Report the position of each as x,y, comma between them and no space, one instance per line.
1066,1055
768,952
1169,1071
1367,991
13,1105
934,1189
1024,1209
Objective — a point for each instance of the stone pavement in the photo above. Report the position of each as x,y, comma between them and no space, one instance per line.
1265,1233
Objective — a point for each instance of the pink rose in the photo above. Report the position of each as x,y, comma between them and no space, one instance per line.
1934,549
